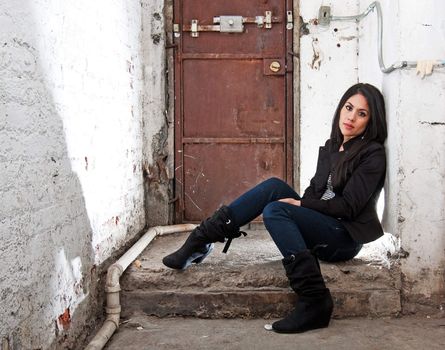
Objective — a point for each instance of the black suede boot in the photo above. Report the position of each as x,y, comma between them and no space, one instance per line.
314,305
199,243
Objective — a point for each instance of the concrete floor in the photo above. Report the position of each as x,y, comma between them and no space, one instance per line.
240,270
144,333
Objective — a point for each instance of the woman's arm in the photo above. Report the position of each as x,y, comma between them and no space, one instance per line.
366,179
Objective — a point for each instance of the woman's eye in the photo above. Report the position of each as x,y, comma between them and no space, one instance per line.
349,108
362,114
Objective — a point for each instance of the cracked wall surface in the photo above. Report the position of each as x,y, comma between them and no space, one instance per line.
415,191
71,161
158,122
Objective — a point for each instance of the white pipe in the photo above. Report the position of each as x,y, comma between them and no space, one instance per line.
112,287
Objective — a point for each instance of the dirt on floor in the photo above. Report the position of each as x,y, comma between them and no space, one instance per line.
142,332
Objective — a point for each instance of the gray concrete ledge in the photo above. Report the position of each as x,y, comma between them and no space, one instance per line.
248,282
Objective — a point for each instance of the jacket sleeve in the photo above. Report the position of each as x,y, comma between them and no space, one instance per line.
365,180
309,191
321,173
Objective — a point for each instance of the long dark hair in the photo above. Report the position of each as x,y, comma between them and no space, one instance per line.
375,130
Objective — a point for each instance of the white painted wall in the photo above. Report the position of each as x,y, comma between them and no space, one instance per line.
415,190
71,157
324,79
416,143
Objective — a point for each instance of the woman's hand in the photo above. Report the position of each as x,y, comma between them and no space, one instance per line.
291,201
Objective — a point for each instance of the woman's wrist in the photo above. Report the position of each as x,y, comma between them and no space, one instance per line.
292,201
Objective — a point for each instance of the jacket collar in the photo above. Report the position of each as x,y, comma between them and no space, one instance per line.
347,145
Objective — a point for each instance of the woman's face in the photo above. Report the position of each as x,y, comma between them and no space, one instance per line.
354,117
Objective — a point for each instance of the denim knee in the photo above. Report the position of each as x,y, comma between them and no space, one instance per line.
274,210
273,182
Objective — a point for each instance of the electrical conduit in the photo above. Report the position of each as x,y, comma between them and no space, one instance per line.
397,65
112,287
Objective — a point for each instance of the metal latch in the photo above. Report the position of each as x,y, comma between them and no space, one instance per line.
229,24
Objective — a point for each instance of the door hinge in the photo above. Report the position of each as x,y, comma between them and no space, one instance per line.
176,30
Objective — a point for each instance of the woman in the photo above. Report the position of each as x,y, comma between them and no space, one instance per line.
335,216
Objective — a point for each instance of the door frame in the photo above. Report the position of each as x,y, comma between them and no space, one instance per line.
293,91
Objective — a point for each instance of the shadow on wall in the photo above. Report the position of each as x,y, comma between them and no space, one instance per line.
45,234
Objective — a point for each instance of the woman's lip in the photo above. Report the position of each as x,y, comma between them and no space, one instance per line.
348,126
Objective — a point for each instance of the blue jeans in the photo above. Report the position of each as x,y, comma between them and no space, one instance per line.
294,228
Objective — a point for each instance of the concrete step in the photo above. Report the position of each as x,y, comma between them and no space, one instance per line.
248,282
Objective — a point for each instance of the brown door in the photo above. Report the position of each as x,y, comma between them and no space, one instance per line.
233,100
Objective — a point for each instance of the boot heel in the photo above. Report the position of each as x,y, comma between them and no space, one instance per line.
202,257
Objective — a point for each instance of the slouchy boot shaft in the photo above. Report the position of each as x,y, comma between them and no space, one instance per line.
314,304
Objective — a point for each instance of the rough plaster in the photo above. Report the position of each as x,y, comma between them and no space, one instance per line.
415,191
157,127
71,160
326,71
423,158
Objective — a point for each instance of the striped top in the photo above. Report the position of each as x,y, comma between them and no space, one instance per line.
329,192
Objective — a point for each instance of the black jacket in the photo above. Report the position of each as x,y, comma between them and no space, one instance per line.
355,201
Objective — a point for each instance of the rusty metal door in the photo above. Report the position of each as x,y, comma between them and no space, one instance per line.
233,100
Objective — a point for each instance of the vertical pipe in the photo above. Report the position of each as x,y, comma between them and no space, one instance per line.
112,287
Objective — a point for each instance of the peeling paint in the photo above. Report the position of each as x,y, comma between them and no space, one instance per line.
432,123
157,171
348,38
156,38
304,30
65,319
157,165
317,55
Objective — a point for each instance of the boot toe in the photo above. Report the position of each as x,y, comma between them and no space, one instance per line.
172,262
180,261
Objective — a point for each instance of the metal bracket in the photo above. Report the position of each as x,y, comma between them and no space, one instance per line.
194,28
268,19
259,20
290,20
324,15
